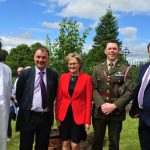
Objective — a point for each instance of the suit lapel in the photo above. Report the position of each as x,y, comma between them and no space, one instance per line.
49,80
66,85
32,78
105,67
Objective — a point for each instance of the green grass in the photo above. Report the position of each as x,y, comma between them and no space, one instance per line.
129,135
128,141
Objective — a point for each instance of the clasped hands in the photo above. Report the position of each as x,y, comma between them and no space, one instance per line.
108,108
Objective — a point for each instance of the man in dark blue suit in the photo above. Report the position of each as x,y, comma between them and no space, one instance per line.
141,105
35,116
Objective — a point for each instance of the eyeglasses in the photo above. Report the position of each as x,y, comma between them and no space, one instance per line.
72,64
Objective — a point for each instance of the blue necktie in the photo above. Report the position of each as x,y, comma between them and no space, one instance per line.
43,90
143,87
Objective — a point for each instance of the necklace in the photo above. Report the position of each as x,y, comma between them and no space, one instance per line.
73,78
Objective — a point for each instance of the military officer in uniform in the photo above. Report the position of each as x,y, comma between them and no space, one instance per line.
112,90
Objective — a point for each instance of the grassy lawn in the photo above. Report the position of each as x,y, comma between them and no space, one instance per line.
129,136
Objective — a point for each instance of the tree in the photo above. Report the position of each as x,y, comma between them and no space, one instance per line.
34,47
19,56
3,53
48,44
68,41
106,30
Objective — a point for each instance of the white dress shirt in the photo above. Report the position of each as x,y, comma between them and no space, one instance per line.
37,97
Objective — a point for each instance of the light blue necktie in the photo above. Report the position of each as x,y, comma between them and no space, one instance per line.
143,87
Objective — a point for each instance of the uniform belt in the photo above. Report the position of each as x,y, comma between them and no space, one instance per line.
39,113
105,94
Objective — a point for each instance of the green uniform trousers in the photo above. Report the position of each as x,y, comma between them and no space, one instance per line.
114,129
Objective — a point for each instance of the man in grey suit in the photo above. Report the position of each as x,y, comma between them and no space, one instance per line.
35,93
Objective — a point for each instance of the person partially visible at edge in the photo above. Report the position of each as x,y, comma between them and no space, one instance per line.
112,91
13,106
141,105
73,103
5,96
19,71
148,50
35,93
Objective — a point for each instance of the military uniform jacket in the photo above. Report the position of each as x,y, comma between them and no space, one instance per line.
115,86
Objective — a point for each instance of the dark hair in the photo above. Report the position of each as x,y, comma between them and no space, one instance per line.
148,47
0,44
43,48
111,41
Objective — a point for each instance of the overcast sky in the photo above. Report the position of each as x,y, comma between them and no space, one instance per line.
29,21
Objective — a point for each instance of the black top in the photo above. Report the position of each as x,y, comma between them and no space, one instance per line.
73,81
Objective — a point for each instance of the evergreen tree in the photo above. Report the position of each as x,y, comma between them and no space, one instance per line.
48,44
106,30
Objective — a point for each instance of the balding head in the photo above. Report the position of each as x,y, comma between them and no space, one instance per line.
19,70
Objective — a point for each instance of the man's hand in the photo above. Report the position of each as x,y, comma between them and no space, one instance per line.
108,108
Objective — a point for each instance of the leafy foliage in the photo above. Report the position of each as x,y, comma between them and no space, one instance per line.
67,42
3,54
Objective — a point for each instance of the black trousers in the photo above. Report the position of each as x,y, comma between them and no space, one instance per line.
12,116
144,135
36,130
114,129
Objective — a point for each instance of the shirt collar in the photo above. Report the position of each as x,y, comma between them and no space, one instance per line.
38,70
114,62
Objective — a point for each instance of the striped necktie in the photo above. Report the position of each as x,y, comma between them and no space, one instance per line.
43,90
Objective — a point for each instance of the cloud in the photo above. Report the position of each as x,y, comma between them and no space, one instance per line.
50,7
38,30
55,25
138,51
1,1
93,9
86,48
11,41
51,25
129,32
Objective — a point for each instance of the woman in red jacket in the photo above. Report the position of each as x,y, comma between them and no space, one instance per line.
73,103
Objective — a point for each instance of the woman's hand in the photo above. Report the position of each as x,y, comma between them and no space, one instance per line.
87,127
58,123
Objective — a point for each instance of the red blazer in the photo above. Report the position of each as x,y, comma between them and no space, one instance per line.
80,101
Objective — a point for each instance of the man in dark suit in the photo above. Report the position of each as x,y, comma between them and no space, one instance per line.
141,105
112,89
35,116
